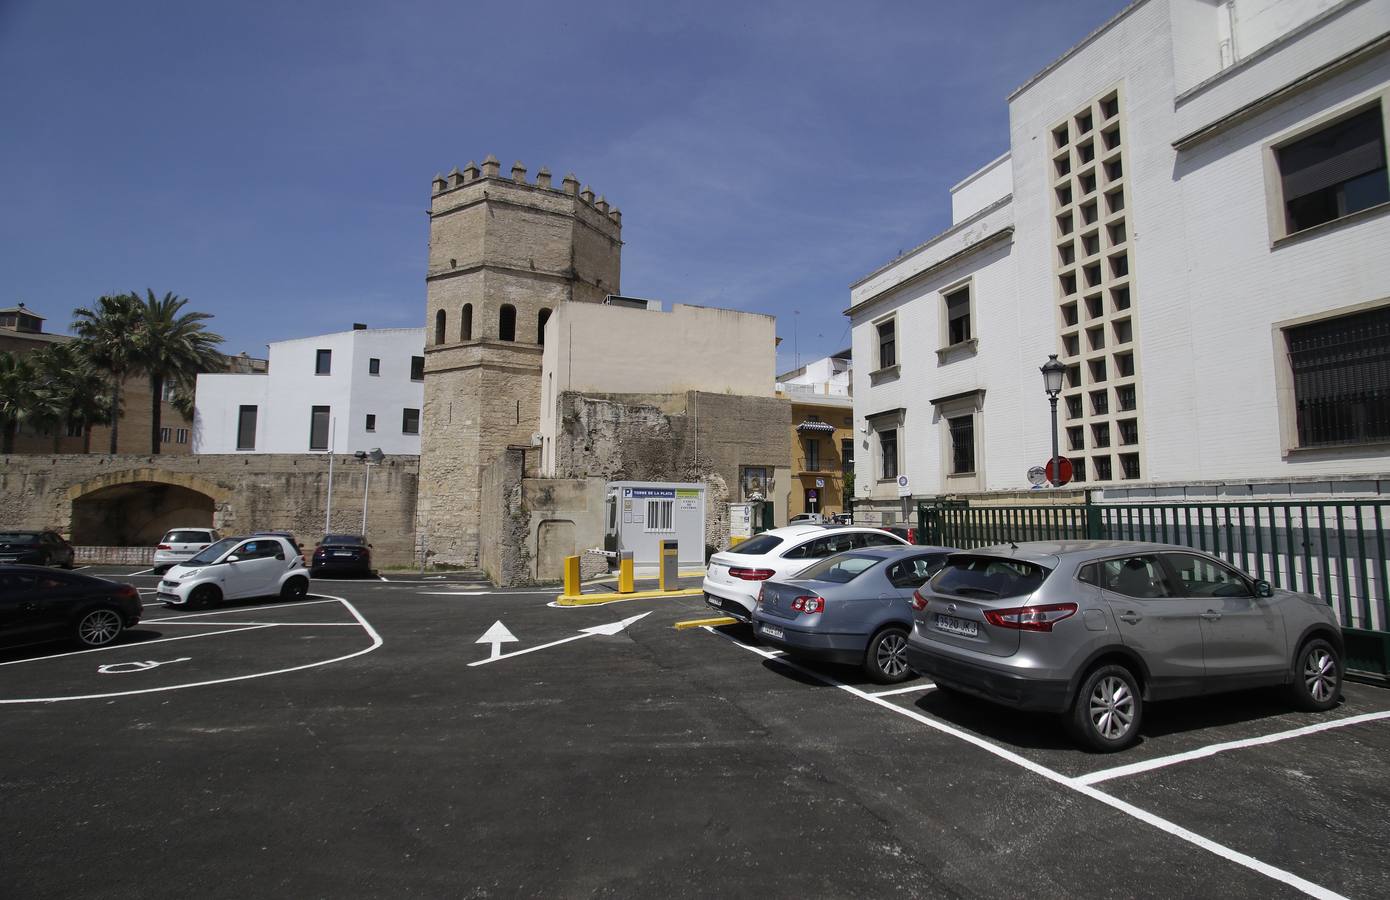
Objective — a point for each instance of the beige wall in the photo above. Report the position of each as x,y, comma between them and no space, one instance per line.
616,350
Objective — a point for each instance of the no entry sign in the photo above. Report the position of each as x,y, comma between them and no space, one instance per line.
1065,474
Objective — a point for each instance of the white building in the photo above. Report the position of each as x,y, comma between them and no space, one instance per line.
829,376
1194,216
356,390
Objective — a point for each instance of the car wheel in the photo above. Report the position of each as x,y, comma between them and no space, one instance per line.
99,627
1317,676
884,660
294,588
204,595
1108,710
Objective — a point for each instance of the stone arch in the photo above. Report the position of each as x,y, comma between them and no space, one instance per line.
136,506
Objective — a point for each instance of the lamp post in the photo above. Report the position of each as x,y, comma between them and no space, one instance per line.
370,458
1052,372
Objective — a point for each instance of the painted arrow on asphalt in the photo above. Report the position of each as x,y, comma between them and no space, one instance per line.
497,635
498,628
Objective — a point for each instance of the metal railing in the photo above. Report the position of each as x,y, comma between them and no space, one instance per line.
1336,550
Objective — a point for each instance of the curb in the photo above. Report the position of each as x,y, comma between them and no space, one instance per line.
595,599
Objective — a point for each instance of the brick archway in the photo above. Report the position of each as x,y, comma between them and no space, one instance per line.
136,506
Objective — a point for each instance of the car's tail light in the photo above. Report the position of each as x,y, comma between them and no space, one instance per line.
1030,618
761,591
164,547
128,592
912,535
752,574
808,604
919,602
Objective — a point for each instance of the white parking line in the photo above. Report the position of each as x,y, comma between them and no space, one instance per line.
241,609
206,624
366,626
1202,752
1177,831
141,572
15,662
924,686
80,568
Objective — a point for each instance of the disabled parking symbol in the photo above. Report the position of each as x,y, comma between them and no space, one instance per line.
125,668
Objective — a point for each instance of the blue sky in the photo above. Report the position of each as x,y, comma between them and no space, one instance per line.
271,161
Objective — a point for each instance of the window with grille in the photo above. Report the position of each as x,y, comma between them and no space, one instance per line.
1335,172
812,454
660,515
181,436
165,435
1341,379
888,452
962,445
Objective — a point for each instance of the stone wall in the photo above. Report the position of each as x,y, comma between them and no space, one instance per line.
247,493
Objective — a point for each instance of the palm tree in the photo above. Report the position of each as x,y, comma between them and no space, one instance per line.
17,396
74,392
108,336
172,347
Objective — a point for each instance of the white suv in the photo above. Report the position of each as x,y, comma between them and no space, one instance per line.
232,568
179,544
735,576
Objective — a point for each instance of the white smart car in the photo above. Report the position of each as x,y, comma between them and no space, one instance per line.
735,576
233,568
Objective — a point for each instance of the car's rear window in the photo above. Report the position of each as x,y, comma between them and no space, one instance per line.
19,537
353,540
840,569
988,577
763,543
187,537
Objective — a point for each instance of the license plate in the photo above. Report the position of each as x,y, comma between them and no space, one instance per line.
342,554
771,631
957,626
713,601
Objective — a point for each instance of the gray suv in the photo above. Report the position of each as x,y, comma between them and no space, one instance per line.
1094,629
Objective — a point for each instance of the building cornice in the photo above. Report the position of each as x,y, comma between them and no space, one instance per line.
995,237
936,238
1088,39
1280,94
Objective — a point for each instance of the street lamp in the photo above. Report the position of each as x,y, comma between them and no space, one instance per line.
1052,372
370,457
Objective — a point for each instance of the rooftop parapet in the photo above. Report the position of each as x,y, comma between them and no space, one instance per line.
491,168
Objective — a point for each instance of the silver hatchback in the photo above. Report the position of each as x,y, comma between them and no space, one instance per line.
1094,629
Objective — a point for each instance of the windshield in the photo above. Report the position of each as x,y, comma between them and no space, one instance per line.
209,554
187,537
763,543
840,569
988,576
19,537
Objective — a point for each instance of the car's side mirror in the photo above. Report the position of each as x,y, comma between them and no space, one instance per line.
232,559
1262,589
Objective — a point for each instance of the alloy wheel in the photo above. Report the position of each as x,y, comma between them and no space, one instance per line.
1320,674
99,627
890,654
1112,708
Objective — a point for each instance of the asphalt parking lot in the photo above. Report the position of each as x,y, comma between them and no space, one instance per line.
366,743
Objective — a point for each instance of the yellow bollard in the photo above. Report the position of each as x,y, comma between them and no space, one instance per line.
736,540
571,576
625,573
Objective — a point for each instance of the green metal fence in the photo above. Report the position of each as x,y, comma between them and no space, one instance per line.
1335,550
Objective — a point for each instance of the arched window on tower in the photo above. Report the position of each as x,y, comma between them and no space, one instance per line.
506,323
466,328
439,327
541,318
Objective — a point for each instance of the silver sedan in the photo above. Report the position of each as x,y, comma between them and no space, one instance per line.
1094,629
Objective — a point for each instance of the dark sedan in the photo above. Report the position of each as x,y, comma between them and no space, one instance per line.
342,554
42,605
35,548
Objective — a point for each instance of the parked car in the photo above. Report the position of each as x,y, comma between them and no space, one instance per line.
233,568
341,554
734,576
35,548
179,544
812,518
902,531
39,605
851,608
1095,629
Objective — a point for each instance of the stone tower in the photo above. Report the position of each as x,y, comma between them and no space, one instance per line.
504,252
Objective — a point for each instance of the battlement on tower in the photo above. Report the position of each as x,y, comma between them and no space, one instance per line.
491,173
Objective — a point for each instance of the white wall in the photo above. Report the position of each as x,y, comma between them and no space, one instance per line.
980,188
288,392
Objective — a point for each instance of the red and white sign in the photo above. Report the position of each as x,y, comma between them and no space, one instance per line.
1066,471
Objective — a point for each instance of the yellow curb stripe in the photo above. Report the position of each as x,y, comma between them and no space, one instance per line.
592,599
701,623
